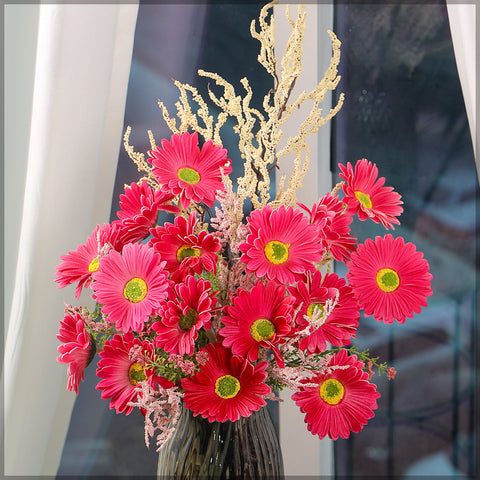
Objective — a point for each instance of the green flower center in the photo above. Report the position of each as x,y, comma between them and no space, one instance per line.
189,320
227,386
93,265
187,251
388,280
332,391
276,252
188,175
136,373
315,309
364,199
262,329
135,290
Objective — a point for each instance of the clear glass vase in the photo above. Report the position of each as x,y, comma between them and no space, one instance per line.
245,449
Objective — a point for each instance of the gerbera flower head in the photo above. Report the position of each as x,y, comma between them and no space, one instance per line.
77,348
130,286
184,315
366,195
329,214
259,318
390,278
184,169
331,308
342,401
80,264
124,363
281,245
184,252
139,209
226,386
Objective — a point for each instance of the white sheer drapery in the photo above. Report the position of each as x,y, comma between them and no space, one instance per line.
462,19
82,64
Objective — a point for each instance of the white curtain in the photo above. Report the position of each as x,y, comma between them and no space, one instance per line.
56,190
462,18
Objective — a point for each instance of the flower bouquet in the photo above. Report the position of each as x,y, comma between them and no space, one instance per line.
236,297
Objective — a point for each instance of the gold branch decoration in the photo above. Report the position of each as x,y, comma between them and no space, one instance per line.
139,159
259,133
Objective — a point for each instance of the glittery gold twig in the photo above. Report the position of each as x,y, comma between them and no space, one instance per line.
259,133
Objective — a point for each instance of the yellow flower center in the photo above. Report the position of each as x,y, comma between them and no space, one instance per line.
364,199
388,280
136,373
187,251
276,252
227,386
188,175
315,309
262,329
332,391
135,290
93,266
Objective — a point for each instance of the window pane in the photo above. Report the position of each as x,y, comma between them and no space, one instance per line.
404,111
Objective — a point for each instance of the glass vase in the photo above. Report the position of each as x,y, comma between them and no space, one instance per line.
245,449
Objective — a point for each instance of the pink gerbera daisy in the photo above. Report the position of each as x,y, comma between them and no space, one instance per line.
77,349
329,214
186,170
139,209
79,265
390,278
227,386
320,296
259,318
183,316
281,245
342,401
123,365
184,252
130,285
366,195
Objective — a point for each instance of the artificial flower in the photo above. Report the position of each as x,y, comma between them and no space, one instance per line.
390,278
184,169
183,316
341,399
124,363
259,318
77,348
329,214
130,286
80,264
332,310
139,207
184,252
281,245
226,387
366,195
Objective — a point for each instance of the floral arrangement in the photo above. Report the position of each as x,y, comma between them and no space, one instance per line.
236,297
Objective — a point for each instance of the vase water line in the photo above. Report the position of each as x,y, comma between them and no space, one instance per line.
246,449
